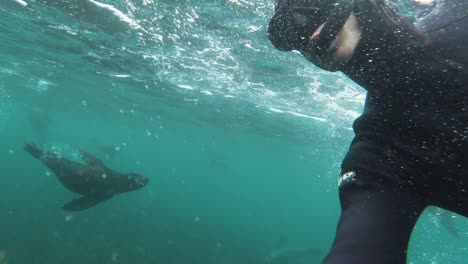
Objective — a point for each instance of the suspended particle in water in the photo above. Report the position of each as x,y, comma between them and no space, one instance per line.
68,218
197,219
47,173
84,103
57,236
115,256
3,255
11,152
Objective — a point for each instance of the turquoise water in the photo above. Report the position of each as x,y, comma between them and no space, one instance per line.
242,143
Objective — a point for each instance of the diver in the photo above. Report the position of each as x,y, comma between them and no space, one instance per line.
410,148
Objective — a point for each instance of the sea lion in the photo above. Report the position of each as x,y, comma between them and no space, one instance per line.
287,255
39,119
93,180
291,255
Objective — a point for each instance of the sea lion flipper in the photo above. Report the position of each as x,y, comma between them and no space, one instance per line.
34,150
84,202
38,152
90,159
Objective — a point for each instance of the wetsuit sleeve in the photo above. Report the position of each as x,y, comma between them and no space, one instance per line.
378,213
375,224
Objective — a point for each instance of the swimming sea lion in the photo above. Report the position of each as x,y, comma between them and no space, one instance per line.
39,119
93,180
291,255
287,255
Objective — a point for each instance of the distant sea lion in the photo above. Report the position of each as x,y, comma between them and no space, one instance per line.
291,255
40,120
285,255
93,180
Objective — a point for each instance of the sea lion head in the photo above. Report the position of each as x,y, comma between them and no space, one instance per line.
136,181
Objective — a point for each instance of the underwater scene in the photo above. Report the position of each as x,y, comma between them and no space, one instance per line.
223,149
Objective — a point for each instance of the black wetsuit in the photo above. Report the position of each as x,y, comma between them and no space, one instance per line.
410,149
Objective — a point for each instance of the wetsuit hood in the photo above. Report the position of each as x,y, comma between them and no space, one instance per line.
295,20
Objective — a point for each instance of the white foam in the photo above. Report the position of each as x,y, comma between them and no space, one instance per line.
276,110
42,86
206,92
121,75
187,87
298,114
21,2
124,18
8,71
309,117
425,2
